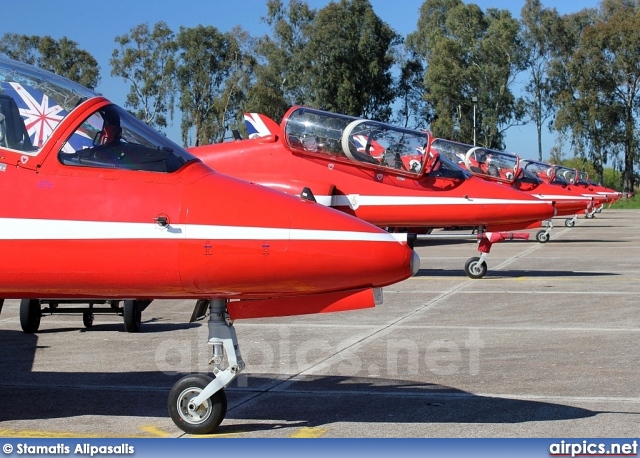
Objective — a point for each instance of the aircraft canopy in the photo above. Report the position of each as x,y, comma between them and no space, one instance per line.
478,160
372,143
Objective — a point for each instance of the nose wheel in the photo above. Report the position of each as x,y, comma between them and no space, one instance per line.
475,267
542,236
197,403
192,419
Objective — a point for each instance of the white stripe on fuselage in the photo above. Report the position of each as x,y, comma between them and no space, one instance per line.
357,200
560,197
48,229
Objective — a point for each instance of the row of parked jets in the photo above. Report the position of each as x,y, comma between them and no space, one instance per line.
317,214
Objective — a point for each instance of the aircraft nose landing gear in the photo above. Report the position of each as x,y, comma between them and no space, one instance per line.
197,403
476,267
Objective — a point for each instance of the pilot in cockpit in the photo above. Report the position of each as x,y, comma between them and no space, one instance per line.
110,134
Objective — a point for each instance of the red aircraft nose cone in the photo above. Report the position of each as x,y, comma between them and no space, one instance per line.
287,245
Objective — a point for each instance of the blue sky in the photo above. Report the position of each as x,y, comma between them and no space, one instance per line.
94,25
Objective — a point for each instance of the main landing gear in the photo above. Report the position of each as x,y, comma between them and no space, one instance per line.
31,311
197,403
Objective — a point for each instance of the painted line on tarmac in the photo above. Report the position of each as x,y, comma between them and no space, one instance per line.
44,434
309,433
154,431
215,435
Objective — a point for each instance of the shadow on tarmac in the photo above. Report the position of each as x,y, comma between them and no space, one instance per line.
515,273
302,401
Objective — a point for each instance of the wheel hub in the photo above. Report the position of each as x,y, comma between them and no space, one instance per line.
476,268
188,411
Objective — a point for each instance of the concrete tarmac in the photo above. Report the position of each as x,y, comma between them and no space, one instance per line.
546,345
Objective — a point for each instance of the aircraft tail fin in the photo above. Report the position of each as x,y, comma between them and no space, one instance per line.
259,125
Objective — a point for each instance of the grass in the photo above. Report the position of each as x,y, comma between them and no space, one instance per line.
628,203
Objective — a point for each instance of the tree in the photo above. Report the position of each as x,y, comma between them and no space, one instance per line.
536,35
338,59
469,54
601,85
414,112
283,65
146,60
62,57
212,75
351,51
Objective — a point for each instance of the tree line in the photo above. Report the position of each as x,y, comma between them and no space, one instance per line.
457,74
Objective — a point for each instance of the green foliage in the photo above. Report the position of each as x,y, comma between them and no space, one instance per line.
213,74
62,57
413,111
283,65
338,58
598,84
537,29
469,53
612,178
350,52
146,60
627,203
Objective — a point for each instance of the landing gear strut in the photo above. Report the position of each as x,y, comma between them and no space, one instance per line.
197,403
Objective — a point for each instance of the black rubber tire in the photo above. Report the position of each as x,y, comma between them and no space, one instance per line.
569,222
209,415
542,237
87,319
132,316
474,269
30,314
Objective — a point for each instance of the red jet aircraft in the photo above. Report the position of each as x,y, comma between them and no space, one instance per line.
573,181
383,174
98,205
505,168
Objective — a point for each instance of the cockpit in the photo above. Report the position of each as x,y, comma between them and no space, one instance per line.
370,143
542,170
583,178
33,102
477,160
566,175
551,173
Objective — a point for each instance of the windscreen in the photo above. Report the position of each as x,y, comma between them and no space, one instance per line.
112,138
